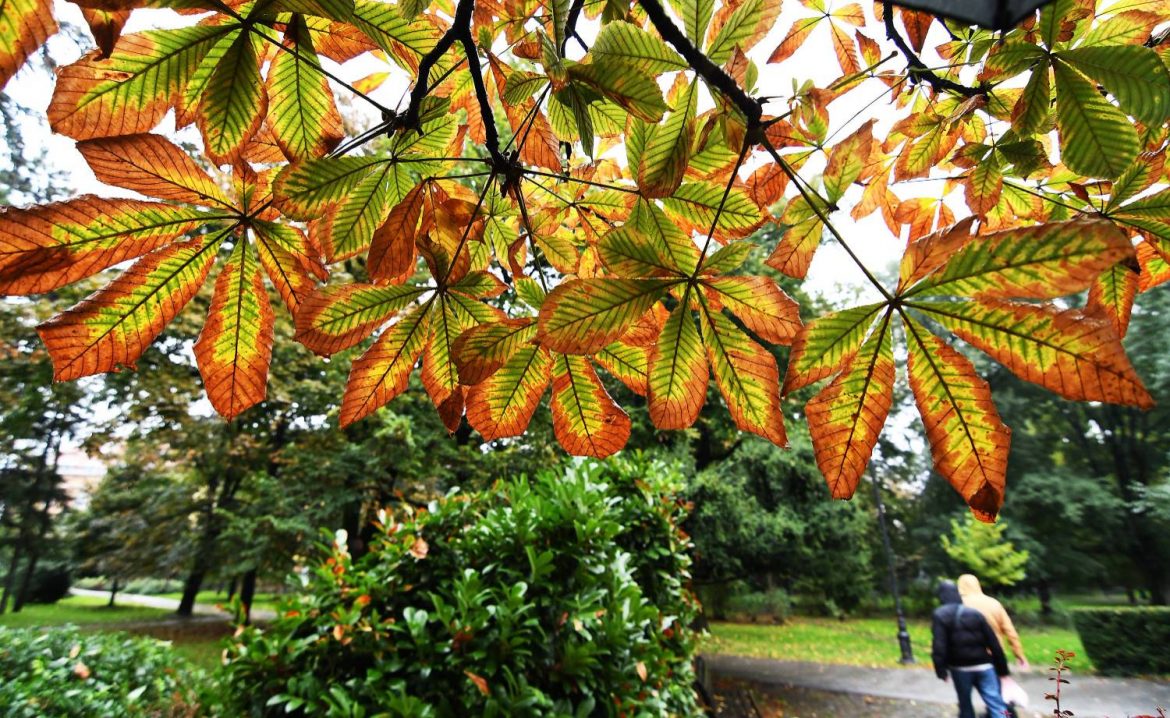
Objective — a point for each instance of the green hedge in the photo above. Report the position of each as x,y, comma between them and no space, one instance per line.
1126,641
563,596
63,673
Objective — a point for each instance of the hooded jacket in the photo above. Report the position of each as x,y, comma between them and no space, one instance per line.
962,637
997,617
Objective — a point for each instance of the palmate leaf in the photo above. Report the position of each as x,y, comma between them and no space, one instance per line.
630,88
1042,262
132,90
1132,74
503,404
341,316
383,372
482,350
760,304
1063,350
825,345
1096,139
696,16
234,348
349,226
847,416
154,166
234,102
694,206
586,421
628,364
663,159
629,44
968,440
746,375
24,27
303,191
678,371
582,316
392,249
302,113
43,248
1112,295
115,325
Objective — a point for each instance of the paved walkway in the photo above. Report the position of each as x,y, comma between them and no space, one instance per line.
1086,696
170,604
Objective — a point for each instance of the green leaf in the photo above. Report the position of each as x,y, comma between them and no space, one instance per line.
235,102
582,316
663,159
1096,138
1134,75
696,16
634,90
303,116
1035,104
738,27
623,42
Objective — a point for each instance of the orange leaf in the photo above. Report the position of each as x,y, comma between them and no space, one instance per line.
383,372
586,420
154,166
678,372
392,252
114,326
968,440
847,416
235,346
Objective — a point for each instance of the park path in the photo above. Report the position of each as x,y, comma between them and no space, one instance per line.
170,604
1086,696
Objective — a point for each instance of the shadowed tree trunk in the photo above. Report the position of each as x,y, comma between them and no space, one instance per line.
247,594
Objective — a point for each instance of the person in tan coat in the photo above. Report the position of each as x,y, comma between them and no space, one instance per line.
995,613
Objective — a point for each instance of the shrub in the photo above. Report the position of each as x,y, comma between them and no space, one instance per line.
773,605
62,672
152,586
561,596
1125,641
49,584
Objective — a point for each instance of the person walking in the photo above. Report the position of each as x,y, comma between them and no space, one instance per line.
965,647
996,615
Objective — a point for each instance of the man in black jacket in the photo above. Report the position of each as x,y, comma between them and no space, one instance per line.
965,645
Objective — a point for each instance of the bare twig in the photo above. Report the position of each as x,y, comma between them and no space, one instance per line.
918,69
714,75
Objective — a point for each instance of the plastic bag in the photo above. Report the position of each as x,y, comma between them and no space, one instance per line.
1012,692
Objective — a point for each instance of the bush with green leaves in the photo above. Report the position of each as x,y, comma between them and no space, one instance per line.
62,672
565,595
1126,641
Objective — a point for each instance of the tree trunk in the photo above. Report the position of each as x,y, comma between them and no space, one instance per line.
34,558
247,593
10,579
113,593
190,590
1045,597
231,588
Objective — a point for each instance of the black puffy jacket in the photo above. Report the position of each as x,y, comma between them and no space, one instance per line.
962,636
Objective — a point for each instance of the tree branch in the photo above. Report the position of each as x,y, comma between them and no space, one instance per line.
571,26
701,64
918,69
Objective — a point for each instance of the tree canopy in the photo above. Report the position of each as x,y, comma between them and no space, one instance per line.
575,186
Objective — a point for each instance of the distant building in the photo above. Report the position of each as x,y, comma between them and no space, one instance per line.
80,475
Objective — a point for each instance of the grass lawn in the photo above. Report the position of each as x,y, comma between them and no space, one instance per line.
865,642
213,598
80,610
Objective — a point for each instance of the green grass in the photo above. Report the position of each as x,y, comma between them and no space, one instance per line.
214,598
82,611
203,651
864,642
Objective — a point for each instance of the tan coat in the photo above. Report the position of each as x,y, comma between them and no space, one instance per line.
993,611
